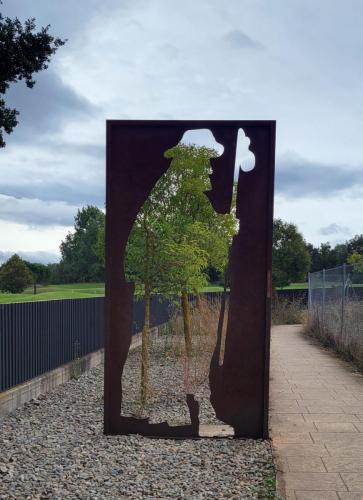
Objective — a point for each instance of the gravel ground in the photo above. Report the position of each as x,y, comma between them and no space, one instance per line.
53,447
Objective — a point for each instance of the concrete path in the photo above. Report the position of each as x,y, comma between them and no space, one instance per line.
316,420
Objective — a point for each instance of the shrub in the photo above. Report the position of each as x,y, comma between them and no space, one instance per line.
204,322
339,329
287,312
15,275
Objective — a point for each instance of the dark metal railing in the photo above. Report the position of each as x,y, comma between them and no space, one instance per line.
37,337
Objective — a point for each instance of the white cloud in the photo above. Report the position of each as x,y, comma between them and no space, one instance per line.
311,214
16,237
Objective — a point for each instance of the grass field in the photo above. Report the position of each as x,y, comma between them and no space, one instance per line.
54,292
69,291
295,286
84,290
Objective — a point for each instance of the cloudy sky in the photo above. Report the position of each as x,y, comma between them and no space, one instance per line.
298,62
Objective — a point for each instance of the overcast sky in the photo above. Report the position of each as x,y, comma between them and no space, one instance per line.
298,62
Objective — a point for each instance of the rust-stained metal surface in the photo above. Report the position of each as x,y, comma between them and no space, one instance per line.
135,162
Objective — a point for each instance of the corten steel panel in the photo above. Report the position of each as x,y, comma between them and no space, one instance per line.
135,162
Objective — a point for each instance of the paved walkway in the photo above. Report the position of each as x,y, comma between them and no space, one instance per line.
316,408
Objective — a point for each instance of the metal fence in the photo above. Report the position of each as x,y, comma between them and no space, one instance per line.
36,337
335,304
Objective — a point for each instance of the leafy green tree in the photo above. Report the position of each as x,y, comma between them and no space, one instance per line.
341,254
15,275
23,52
80,262
176,236
325,256
55,273
200,236
186,265
290,257
356,259
40,272
145,265
355,244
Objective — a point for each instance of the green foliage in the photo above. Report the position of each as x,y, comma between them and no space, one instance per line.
40,272
196,229
23,52
186,263
14,275
326,256
100,244
183,230
290,257
80,261
356,259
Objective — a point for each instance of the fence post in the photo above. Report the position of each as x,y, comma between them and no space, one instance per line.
344,279
323,306
309,296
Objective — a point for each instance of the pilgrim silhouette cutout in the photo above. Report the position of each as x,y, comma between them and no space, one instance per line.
135,162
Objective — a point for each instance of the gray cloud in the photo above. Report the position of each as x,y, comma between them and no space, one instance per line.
35,212
297,177
239,40
45,108
66,18
77,194
42,257
335,229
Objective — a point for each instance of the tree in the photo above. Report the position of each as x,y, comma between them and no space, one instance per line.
315,259
176,236
80,262
40,272
55,273
200,236
290,257
23,52
15,275
355,244
186,265
145,266
356,259
326,256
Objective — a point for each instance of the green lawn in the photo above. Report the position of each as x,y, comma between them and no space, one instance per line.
295,286
84,290
54,292
68,291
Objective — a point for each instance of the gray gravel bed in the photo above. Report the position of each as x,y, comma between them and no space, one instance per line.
54,447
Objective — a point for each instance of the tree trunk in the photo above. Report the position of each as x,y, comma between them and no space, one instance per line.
198,301
145,346
186,319
144,389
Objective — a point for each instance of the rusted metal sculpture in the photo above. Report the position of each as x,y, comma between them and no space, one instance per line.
135,162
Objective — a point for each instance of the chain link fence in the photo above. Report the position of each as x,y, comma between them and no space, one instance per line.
336,309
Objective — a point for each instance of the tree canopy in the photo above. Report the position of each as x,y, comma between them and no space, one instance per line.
80,261
15,276
327,256
290,257
23,52
356,259
41,272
